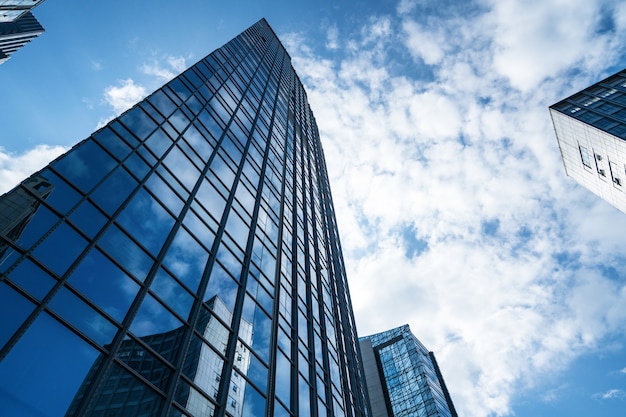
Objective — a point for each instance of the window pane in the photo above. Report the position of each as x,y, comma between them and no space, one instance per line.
88,218
14,309
81,315
110,194
85,165
105,284
126,252
186,258
32,278
147,221
47,350
171,293
60,248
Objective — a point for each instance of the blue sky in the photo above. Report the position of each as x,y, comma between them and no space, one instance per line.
453,206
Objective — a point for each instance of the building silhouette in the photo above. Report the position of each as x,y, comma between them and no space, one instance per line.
403,378
590,128
184,260
18,26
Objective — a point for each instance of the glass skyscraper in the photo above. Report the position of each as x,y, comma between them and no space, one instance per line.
17,26
403,377
590,128
184,259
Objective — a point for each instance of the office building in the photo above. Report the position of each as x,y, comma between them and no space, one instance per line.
590,128
17,33
11,10
403,378
184,259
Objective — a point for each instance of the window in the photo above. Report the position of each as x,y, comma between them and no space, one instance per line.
584,155
615,174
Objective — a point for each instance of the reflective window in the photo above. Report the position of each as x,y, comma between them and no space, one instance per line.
222,285
146,219
111,142
47,350
138,122
152,318
32,278
110,194
123,394
187,259
172,294
126,252
104,283
88,218
54,190
14,309
83,317
61,248
85,165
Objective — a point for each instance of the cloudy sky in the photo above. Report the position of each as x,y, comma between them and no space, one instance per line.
453,206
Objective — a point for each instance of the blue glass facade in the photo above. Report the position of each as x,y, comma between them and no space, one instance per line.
184,259
403,377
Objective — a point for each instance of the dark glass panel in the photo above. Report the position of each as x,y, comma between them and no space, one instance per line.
223,286
124,395
111,142
159,142
30,375
180,89
304,399
257,372
158,117
117,187
105,284
137,166
172,293
237,229
194,402
146,220
24,220
14,309
211,328
199,143
164,193
124,133
182,168
179,121
203,366
32,278
262,326
83,317
60,248
144,362
209,196
162,103
186,259
138,122
153,319
283,377
57,193
201,231
88,218
85,165
253,403
117,244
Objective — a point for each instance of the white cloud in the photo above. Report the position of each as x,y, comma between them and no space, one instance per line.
446,158
124,95
612,394
422,44
332,37
16,167
165,71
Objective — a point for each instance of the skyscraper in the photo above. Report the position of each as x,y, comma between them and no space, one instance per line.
590,128
17,26
403,378
184,259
